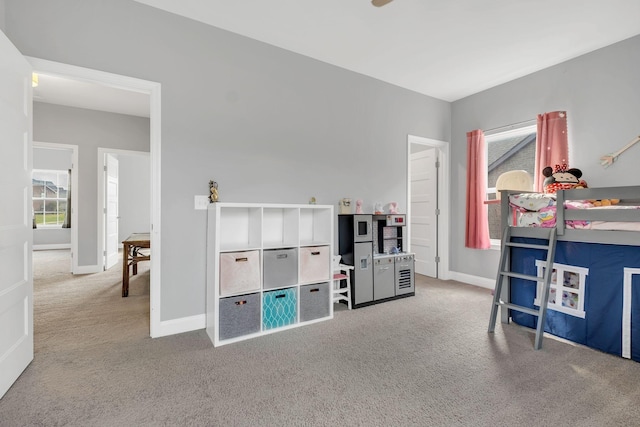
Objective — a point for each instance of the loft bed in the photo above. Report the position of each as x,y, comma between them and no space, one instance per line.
595,290
579,220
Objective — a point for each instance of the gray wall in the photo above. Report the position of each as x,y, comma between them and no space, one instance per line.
60,237
134,195
89,130
2,26
267,124
52,159
600,92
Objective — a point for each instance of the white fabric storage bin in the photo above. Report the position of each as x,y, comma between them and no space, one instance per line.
239,272
314,264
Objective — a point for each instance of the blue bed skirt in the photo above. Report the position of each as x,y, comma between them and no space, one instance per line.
601,328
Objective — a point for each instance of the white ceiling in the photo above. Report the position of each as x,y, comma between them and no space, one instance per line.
80,94
447,49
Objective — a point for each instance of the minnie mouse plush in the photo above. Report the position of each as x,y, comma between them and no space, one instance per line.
562,178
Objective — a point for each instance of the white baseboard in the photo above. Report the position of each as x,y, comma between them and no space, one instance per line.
178,326
86,269
482,282
444,275
52,246
193,323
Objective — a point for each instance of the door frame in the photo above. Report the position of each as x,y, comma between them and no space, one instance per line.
102,225
443,150
153,89
74,199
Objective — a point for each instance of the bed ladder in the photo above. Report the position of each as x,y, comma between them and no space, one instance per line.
548,234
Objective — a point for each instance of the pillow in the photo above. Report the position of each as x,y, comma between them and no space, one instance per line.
532,201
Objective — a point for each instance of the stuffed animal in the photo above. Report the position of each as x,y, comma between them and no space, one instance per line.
562,178
604,202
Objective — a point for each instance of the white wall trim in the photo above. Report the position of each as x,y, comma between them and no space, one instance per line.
155,120
183,324
443,198
75,168
52,246
156,179
482,282
119,151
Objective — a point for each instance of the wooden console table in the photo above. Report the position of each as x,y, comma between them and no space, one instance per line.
131,256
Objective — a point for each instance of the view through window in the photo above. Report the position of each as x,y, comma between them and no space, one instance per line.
49,197
507,151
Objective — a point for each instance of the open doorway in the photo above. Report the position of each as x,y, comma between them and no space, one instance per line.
427,205
55,205
152,92
124,196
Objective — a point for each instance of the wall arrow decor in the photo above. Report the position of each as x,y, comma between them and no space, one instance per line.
607,160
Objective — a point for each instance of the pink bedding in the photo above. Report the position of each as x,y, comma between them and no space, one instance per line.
545,215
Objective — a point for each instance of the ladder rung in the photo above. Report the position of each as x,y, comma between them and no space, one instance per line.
527,245
522,276
531,311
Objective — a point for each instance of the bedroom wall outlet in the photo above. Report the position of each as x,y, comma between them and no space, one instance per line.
201,203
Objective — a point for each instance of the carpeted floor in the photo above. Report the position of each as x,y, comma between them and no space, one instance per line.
424,361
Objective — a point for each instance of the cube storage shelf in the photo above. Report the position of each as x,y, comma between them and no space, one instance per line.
268,268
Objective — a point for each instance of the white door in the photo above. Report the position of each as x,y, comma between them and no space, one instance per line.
424,205
111,211
16,233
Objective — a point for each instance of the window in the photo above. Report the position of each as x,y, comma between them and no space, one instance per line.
506,151
49,197
571,289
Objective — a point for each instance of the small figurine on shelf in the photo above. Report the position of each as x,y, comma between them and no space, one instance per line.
393,207
213,188
377,209
345,206
312,201
359,207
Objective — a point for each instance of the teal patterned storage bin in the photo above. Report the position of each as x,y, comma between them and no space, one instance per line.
279,308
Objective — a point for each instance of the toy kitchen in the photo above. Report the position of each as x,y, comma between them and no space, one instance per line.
375,246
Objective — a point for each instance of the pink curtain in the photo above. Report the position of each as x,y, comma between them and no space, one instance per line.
552,146
477,227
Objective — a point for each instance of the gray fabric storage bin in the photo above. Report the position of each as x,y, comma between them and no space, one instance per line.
314,301
239,316
280,268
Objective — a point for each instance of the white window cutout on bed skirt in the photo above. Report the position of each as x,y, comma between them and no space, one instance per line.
626,311
571,299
